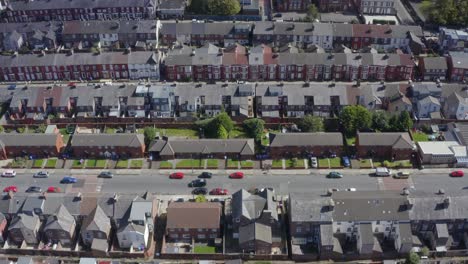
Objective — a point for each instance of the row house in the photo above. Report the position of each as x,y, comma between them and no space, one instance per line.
212,63
453,39
200,33
458,66
292,5
63,10
387,146
113,33
171,9
108,145
433,68
82,66
334,5
376,7
30,145
39,35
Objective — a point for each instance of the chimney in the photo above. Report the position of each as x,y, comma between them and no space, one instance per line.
128,50
10,194
78,196
116,197
15,54
192,53
331,205
408,205
446,202
44,195
43,53
55,217
71,51
220,52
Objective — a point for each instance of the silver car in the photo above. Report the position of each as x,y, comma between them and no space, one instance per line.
41,174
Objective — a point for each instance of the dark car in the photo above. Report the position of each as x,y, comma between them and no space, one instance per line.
68,179
197,183
200,190
205,175
346,161
106,174
34,189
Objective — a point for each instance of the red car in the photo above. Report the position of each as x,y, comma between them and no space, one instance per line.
457,173
10,189
236,175
176,175
53,189
219,191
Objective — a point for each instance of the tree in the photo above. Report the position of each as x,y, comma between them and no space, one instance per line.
200,199
224,120
405,121
412,258
355,117
198,6
2,129
393,124
222,133
224,7
380,121
41,128
150,134
254,128
424,251
312,13
310,123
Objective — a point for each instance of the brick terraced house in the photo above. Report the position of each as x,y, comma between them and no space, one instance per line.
108,145
44,10
82,66
388,145
34,35
37,145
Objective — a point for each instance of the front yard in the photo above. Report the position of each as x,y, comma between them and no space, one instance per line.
232,163
295,163
136,164
212,163
394,164
189,163
93,163
247,164
165,165
38,163
51,163
277,164
122,164
77,164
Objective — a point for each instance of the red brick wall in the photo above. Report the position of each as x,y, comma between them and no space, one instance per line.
282,152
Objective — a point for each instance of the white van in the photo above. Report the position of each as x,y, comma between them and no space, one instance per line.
382,172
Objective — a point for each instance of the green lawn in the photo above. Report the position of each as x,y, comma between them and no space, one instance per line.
190,163
232,163
110,130
419,136
177,132
136,163
204,250
51,163
212,163
38,163
65,135
395,164
18,163
237,132
93,163
365,163
298,164
350,141
122,164
165,165
76,164
277,164
323,163
247,163
335,162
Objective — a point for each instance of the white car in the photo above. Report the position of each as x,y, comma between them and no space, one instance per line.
351,189
41,174
314,162
9,173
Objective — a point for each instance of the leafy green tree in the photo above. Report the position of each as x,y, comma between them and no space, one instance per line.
355,117
254,128
41,128
224,7
223,119
149,134
200,199
393,124
198,6
412,258
424,251
222,133
405,121
310,123
380,121
312,13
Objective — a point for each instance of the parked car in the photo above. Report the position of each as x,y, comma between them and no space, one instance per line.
197,183
53,189
314,162
402,175
9,173
236,175
68,179
34,189
41,174
106,174
10,189
176,175
219,191
351,189
205,175
346,161
334,175
200,190
457,173
382,172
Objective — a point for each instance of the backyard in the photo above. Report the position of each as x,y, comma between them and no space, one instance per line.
198,249
420,136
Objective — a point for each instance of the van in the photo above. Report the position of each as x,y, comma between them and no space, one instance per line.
382,172
402,175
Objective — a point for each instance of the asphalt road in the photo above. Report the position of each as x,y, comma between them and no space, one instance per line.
160,183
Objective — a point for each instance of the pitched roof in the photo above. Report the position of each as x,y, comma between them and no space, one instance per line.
22,221
97,220
428,206
171,147
429,99
193,215
435,63
66,4
88,140
18,140
255,231
61,220
396,140
459,60
306,139
247,205
309,208
109,27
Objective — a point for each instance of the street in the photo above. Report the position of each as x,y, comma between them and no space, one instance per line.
133,181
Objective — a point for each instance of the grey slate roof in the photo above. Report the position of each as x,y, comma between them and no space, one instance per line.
366,233
369,205
61,220
109,27
26,27
39,140
33,204
326,235
11,205
459,59
194,215
139,210
306,139
97,220
309,208
247,205
435,63
66,4
428,206
89,140
171,147
255,231
396,140
22,221
126,226
405,234
54,201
